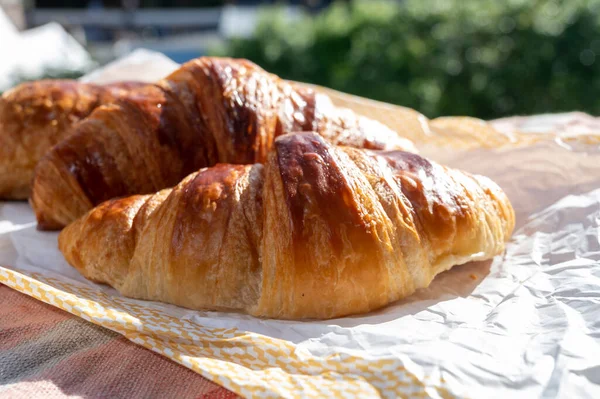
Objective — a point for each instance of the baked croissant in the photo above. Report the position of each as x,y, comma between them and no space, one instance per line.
318,232
210,110
35,116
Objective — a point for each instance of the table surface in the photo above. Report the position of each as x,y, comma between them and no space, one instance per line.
46,352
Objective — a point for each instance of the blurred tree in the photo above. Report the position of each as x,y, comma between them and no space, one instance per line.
120,3
483,58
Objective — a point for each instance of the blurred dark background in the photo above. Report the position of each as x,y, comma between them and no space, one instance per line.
482,58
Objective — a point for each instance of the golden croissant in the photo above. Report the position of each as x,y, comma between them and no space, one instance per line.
35,116
319,231
210,110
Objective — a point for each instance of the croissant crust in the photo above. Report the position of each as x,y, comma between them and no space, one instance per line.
35,116
210,110
319,231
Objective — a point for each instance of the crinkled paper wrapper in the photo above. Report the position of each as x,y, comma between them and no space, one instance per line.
523,325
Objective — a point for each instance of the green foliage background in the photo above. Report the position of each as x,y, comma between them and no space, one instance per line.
484,58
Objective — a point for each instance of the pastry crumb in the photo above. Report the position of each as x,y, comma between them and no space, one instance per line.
473,277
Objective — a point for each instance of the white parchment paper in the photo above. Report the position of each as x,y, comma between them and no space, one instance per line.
523,325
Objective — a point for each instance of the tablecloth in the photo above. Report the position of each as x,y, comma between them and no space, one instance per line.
48,353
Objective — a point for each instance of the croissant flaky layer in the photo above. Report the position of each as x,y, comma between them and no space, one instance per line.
210,110
318,232
35,116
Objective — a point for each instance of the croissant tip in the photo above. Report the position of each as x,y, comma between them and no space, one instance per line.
45,223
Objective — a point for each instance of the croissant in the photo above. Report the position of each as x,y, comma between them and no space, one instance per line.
210,110
35,116
318,232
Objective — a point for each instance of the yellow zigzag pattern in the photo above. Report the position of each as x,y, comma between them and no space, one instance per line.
246,363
